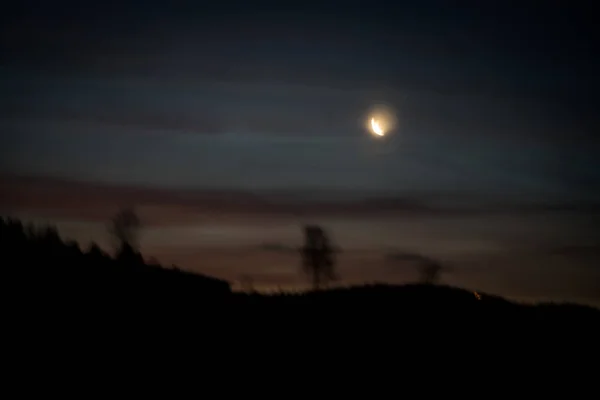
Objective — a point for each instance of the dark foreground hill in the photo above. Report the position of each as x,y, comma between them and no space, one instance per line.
58,283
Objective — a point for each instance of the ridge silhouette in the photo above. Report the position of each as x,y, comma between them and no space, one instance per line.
39,262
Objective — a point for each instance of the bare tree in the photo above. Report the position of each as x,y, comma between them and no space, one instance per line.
428,268
318,256
124,228
430,272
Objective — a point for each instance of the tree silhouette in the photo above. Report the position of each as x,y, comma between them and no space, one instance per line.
124,228
430,271
128,255
428,268
317,256
95,253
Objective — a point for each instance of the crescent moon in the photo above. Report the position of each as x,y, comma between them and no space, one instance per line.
376,127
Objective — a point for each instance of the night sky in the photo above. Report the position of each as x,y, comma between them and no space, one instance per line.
244,119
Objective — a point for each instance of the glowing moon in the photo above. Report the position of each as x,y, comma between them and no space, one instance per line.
380,121
376,127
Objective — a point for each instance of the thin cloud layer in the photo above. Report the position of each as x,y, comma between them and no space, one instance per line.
98,201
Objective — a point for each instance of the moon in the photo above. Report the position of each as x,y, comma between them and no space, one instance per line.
376,127
380,121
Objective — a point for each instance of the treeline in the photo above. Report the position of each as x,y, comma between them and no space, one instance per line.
37,258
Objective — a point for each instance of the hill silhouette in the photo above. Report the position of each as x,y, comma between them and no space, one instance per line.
38,257
52,275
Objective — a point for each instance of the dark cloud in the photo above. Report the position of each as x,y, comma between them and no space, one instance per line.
99,201
278,248
411,258
73,197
